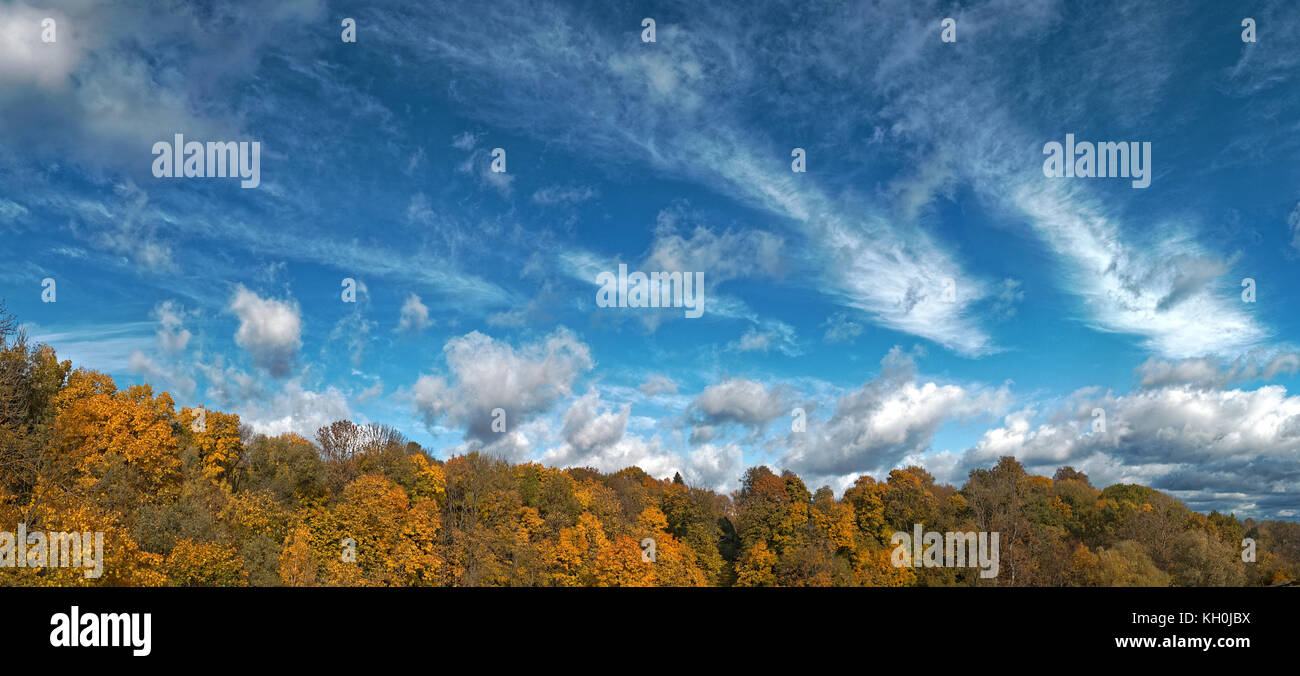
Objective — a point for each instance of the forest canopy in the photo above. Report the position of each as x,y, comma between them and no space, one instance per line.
192,497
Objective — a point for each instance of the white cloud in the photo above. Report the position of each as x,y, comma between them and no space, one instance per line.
627,451
1151,280
888,418
104,89
1208,373
717,467
295,409
419,211
353,330
160,376
130,228
414,317
479,165
1161,291
721,255
1193,442
841,329
739,400
25,59
774,335
487,374
588,429
672,112
271,330
104,347
658,384
464,141
592,435
173,337
555,195
11,211
227,384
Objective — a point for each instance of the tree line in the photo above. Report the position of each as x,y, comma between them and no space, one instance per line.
190,497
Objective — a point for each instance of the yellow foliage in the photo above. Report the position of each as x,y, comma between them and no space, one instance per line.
873,567
105,436
256,513
297,566
620,564
755,567
574,551
430,480
417,560
218,442
205,564
838,525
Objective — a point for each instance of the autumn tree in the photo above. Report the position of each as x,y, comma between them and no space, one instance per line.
1126,565
196,499
297,565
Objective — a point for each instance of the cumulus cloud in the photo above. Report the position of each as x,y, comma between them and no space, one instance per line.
414,317
717,467
631,451
25,59
486,374
295,409
270,330
228,384
887,418
104,89
515,445
591,432
588,429
595,435
1202,445
1204,372
739,400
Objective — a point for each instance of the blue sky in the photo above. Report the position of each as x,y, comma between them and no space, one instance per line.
823,289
